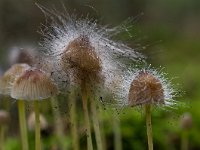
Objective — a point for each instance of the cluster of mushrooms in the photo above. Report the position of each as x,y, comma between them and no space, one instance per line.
83,55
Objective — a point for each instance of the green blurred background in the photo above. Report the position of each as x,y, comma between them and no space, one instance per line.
167,31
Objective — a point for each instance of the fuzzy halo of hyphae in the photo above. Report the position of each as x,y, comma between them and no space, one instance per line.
65,28
161,91
33,84
53,70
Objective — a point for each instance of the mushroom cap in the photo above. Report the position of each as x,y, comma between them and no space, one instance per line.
31,121
81,60
81,55
186,121
9,76
4,117
22,55
33,84
146,89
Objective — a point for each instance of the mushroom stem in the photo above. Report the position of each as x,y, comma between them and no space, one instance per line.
23,127
184,140
37,126
96,125
117,132
86,117
74,130
1,137
149,126
58,121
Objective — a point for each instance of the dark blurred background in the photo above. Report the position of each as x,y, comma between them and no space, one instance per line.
167,31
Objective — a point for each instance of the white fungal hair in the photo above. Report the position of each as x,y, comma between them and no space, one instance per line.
169,91
64,28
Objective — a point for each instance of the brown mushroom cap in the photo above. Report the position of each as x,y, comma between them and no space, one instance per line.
146,89
33,84
9,77
186,121
81,55
22,55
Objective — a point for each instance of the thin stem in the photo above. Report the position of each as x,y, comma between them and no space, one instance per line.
117,132
74,130
57,117
1,138
86,117
102,129
58,122
149,126
37,126
22,122
96,125
184,140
